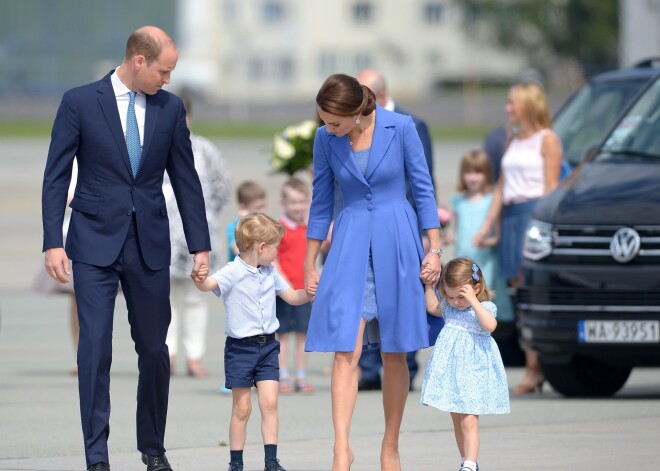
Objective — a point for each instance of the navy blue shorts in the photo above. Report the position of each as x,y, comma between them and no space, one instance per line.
292,318
248,362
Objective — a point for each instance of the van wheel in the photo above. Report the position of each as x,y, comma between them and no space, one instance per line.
584,376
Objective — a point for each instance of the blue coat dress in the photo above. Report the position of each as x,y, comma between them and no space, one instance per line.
376,216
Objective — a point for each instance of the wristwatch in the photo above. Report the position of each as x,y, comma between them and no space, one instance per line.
438,252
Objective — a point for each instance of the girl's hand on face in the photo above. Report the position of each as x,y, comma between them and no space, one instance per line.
468,293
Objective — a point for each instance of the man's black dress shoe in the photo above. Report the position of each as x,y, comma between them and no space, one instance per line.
156,463
369,385
99,467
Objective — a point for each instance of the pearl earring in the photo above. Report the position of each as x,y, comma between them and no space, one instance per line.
357,120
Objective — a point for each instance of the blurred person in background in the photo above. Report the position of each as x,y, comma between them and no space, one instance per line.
251,198
370,290
294,320
371,361
44,284
190,309
530,169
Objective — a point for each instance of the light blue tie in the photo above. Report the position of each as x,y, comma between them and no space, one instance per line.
133,135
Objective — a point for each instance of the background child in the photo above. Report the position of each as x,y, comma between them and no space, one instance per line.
465,374
248,287
469,209
251,198
290,257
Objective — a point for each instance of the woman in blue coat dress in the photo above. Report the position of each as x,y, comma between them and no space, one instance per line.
370,289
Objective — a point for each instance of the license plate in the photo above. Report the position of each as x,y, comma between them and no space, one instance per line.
618,331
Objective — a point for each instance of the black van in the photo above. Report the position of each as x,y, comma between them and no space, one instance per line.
589,302
582,123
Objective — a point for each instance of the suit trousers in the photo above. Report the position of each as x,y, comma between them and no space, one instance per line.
147,299
371,362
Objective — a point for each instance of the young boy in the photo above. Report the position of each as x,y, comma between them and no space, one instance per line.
294,320
251,198
248,286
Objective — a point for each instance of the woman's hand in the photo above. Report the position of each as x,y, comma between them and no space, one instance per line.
311,283
430,270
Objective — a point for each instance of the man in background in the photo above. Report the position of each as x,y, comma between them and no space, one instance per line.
370,360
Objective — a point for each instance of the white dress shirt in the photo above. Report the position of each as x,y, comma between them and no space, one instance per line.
121,94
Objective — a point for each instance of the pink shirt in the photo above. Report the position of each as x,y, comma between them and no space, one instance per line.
523,169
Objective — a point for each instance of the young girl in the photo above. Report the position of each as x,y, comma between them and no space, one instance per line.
469,209
465,375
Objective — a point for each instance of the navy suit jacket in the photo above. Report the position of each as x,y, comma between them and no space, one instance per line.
88,127
424,136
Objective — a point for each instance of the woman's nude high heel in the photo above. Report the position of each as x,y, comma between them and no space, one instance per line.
528,387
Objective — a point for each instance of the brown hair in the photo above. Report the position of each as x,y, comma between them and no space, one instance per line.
475,161
535,104
295,184
249,191
146,43
458,272
342,95
255,228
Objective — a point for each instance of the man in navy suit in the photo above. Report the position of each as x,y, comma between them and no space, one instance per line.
370,361
124,131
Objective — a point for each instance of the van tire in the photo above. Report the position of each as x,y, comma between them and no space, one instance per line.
585,377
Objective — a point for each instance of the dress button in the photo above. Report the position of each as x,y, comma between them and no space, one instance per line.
129,212
133,188
370,207
369,196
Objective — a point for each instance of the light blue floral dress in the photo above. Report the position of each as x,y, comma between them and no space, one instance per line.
465,373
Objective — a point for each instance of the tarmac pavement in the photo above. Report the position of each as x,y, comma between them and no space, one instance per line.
40,429
39,419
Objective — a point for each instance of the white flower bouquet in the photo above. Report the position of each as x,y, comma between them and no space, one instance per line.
293,148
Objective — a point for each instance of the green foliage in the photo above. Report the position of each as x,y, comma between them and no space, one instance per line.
584,30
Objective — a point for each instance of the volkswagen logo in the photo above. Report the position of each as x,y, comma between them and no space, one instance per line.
625,244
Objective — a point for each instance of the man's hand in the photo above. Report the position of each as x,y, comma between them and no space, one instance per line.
57,264
201,259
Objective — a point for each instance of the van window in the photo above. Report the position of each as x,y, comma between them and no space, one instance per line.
589,115
637,136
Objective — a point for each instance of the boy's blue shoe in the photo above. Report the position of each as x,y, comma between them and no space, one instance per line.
235,467
273,465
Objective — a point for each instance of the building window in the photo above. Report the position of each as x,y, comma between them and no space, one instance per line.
433,12
230,10
327,64
272,12
285,69
256,68
363,61
363,12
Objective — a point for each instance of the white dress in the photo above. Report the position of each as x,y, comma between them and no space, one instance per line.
465,373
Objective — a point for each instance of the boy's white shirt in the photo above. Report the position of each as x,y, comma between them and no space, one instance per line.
249,296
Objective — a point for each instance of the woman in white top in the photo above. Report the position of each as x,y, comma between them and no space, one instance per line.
530,169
